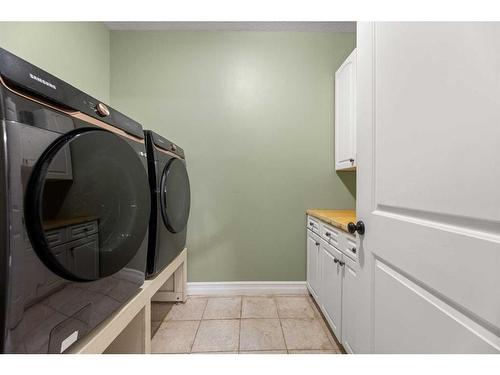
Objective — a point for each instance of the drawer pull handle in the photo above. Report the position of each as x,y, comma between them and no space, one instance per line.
335,260
353,250
341,264
328,234
317,243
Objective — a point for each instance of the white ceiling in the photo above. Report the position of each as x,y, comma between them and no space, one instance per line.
341,27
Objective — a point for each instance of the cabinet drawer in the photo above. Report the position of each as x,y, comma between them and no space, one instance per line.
349,246
330,234
56,236
313,224
82,230
336,253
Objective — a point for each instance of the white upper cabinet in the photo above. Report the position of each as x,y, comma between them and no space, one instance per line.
345,115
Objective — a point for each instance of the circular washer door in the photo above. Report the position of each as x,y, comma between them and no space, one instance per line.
175,195
87,205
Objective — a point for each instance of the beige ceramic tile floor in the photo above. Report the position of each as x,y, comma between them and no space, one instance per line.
241,324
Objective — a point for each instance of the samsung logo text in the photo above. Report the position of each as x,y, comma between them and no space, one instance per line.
52,86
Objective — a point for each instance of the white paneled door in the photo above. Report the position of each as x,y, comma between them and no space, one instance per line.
428,131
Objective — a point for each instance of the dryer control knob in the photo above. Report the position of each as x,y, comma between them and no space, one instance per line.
102,110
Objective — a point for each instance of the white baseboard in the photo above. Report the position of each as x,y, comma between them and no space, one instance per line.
246,288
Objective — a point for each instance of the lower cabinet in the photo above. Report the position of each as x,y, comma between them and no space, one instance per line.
77,248
332,281
80,256
330,297
85,257
312,263
350,306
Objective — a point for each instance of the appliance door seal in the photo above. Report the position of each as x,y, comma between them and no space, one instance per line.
175,197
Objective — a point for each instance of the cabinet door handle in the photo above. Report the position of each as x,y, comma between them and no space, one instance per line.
328,234
341,264
351,160
353,250
317,243
335,260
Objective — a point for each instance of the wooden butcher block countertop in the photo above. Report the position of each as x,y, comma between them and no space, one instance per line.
336,218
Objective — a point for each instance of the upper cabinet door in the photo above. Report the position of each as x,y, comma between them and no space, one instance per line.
345,114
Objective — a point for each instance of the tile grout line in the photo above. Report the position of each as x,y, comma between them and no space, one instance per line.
324,325
198,328
219,319
281,324
239,331
263,318
317,316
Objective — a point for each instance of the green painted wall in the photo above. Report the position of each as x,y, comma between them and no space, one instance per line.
77,52
254,112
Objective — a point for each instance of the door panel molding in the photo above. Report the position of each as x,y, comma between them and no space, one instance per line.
435,116
441,318
488,230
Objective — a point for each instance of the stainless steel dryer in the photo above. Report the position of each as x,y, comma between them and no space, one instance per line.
74,210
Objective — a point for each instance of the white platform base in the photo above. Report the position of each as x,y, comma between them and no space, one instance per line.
128,330
246,288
